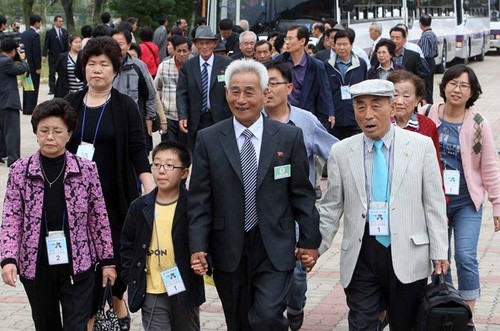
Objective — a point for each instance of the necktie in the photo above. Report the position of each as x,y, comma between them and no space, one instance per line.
248,160
380,182
204,87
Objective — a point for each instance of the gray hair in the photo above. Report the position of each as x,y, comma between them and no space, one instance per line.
248,33
247,66
378,27
244,25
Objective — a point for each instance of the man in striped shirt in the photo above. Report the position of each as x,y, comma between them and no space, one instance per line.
166,84
428,43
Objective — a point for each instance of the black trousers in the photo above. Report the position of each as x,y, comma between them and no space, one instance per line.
174,133
429,82
52,74
254,295
206,120
30,98
53,287
10,134
374,287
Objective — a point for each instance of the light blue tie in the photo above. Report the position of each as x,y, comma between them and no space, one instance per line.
380,183
204,87
248,159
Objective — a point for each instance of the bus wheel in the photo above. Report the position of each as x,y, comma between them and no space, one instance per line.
441,68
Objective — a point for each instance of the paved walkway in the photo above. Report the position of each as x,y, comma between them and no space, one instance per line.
326,308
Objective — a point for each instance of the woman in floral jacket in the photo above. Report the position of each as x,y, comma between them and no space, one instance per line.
55,226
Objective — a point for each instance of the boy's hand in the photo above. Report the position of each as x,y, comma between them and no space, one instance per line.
199,263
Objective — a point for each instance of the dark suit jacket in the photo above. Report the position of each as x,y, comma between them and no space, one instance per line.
323,55
316,95
9,91
53,46
136,238
31,41
232,43
411,62
216,204
189,95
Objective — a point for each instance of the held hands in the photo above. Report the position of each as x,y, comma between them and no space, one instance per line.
199,263
496,220
9,274
307,256
331,120
441,266
108,273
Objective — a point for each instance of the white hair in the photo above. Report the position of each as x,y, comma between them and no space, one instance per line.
378,27
244,66
248,33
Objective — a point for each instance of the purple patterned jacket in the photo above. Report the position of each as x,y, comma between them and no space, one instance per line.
89,229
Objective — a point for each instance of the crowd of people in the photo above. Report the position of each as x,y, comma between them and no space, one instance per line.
248,126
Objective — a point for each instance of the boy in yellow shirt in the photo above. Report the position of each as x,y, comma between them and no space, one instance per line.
155,250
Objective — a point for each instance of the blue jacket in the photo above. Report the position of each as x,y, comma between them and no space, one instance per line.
316,94
356,73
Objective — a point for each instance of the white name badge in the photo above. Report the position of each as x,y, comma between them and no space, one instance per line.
378,218
57,249
173,281
344,91
221,78
283,171
86,151
451,181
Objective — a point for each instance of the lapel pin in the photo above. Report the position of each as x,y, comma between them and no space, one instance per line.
280,154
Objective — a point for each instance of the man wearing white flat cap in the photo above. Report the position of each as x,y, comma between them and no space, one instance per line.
386,184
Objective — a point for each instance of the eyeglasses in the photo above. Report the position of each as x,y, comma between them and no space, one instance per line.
54,133
463,86
166,167
274,84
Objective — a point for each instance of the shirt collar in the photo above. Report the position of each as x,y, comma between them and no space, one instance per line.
210,61
387,139
349,60
256,128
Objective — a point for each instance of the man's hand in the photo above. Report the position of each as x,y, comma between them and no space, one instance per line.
44,59
331,120
441,266
183,126
164,127
9,274
199,263
307,256
108,273
38,71
149,127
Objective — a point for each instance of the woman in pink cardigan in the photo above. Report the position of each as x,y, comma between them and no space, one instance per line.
470,166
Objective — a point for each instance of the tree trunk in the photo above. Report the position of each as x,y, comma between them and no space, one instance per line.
27,11
97,10
68,10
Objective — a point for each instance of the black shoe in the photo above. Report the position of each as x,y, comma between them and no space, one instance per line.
124,323
51,92
295,320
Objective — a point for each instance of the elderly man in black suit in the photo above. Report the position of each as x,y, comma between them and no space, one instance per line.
56,43
248,187
31,41
10,104
200,89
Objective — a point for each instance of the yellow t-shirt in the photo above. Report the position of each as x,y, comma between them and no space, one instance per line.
160,255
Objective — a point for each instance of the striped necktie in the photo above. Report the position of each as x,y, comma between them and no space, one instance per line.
204,87
248,159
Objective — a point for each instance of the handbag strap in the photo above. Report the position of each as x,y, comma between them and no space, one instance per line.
107,296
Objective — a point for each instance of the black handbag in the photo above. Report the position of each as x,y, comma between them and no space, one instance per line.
442,308
106,320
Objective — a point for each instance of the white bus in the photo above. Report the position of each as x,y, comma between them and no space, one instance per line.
462,26
495,26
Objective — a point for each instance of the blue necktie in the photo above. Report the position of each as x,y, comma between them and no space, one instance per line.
248,159
380,183
204,87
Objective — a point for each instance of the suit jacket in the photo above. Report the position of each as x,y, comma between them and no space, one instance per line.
411,62
53,46
189,93
9,91
136,239
216,204
316,94
417,207
232,43
323,55
31,41
160,39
